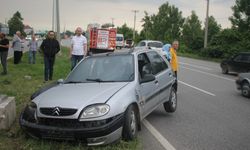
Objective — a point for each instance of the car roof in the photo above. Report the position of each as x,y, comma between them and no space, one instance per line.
244,53
132,51
150,41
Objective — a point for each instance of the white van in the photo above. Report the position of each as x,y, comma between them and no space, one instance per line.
119,41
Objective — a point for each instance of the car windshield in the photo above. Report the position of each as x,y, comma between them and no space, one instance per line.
155,44
113,68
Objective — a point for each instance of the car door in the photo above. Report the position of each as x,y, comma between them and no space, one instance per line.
147,90
239,63
163,75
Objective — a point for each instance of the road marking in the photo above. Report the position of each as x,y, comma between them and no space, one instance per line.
196,66
163,141
206,92
217,76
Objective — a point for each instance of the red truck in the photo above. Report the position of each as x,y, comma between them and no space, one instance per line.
102,40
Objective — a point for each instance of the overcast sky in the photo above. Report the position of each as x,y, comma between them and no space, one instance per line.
73,13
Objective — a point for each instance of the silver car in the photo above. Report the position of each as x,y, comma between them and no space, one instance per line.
103,99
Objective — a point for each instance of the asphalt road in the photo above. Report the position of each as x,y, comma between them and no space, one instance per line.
211,113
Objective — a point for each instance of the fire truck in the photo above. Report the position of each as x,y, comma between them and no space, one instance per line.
102,40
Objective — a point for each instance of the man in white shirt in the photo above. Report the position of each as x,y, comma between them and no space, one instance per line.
78,47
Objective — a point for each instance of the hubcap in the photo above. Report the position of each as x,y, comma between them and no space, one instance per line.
173,99
133,122
245,92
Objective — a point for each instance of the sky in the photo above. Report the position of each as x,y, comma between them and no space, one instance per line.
74,13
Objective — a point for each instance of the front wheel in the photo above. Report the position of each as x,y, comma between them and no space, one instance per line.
171,105
130,127
224,69
245,90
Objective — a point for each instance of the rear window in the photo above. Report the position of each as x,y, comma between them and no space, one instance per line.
155,44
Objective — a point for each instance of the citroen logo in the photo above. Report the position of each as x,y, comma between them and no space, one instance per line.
56,111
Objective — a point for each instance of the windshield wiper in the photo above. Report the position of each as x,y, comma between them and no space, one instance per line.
73,82
96,80
100,80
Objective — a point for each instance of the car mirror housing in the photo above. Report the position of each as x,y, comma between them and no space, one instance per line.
147,78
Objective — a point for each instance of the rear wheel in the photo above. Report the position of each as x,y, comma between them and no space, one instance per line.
224,69
171,105
245,90
130,127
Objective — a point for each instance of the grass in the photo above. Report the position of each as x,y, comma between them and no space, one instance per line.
17,84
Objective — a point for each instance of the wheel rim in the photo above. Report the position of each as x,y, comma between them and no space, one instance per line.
133,122
173,99
245,92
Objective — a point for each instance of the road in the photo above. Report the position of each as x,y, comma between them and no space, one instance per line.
211,113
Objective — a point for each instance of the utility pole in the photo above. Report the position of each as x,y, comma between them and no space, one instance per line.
53,16
57,22
206,26
135,11
112,22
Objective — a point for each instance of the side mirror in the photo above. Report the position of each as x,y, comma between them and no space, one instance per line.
60,81
147,78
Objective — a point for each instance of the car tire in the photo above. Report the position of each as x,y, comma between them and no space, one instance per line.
171,105
224,69
245,90
130,127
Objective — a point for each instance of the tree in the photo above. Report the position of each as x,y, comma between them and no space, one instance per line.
167,23
241,16
126,31
16,24
107,25
192,32
146,32
213,28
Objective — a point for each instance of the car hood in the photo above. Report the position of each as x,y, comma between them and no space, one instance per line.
78,95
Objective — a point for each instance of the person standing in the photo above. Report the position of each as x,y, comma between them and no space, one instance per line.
78,48
49,47
33,45
17,47
4,47
174,59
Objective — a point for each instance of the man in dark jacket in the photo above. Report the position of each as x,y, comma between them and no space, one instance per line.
4,47
49,47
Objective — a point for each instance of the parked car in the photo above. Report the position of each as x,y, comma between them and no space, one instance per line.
104,98
150,44
238,63
243,84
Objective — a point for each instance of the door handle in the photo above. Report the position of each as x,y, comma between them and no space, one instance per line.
156,81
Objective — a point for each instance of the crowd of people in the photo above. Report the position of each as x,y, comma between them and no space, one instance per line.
50,47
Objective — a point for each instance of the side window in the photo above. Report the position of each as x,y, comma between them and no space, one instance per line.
144,67
237,58
142,44
157,63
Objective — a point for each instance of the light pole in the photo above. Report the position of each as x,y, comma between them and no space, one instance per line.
135,11
112,22
57,22
206,26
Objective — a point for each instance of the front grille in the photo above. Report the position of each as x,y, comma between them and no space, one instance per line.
57,111
73,123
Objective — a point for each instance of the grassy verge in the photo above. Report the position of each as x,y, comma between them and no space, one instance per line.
17,84
196,56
